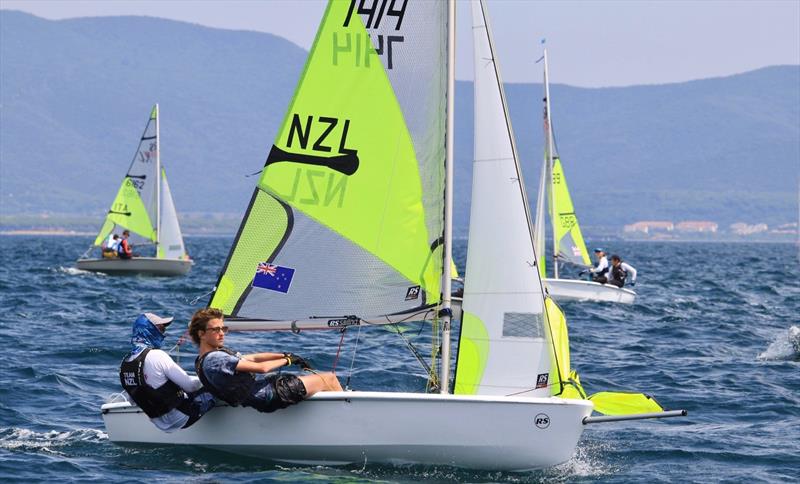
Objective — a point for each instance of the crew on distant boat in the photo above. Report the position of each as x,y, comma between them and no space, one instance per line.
110,246
229,376
619,271
598,273
124,250
172,399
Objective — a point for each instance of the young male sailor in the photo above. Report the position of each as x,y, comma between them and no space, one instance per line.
599,273
619,271
230,376
172,399
124,250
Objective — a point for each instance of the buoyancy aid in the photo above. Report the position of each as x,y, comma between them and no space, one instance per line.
124,249
618,273
155,402
238,385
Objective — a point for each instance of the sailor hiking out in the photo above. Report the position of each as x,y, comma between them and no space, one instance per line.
619,271
231,376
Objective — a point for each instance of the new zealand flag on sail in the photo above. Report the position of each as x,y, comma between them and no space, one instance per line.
272,277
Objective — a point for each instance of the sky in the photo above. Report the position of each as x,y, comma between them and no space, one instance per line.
590,43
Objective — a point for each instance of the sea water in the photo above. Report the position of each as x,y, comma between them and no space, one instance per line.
715,330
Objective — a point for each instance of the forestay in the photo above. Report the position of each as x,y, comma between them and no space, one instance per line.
347,217
503,347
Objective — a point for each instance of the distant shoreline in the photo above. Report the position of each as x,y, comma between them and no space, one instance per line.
45,232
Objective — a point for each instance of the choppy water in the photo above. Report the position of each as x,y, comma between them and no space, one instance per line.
715,330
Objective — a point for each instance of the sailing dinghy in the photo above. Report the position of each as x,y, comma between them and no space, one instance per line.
144,207
568,244
382,213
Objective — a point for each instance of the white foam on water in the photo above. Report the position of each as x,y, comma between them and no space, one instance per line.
785,346
74,271
15,438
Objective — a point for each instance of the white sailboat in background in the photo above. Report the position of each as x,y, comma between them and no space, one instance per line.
144,207
568,244
383,216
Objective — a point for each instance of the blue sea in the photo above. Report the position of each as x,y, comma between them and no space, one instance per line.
714,331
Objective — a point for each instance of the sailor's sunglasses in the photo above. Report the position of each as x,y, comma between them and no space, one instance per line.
218,329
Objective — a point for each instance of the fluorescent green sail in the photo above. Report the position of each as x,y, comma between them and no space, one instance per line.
127,211
344,163
568,240
473,353
621,403
559,354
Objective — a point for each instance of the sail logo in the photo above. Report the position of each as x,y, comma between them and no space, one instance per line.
412,293
273,277
145,156
541,380
542,420
343,322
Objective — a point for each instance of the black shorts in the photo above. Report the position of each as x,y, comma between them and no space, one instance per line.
276,391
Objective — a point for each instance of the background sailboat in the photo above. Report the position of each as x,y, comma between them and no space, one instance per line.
568,244
144,207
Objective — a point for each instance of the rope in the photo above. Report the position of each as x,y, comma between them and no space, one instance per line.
194,301
352,360
338,350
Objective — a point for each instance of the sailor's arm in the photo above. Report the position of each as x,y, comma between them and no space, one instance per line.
261,357
262,366
630,270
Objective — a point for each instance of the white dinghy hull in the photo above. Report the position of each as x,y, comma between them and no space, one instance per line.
339,428
138,265
574,290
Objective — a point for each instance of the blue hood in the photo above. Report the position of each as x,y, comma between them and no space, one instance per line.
145,335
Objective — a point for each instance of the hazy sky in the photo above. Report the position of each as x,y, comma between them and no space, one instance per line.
591,43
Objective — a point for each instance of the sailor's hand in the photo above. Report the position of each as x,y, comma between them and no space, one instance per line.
293,359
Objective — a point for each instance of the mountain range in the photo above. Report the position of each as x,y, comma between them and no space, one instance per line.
75,95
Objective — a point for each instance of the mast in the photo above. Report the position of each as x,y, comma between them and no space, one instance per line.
158,183
549,164
444,379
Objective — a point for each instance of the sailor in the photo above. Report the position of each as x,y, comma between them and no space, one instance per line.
598,273
172,399
111,245
619,271
231,376
124,250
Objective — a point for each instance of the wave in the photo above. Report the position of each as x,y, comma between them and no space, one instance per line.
73,271
786,346
15,438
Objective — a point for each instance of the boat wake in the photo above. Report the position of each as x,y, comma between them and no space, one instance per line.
73,271
786,346
20,439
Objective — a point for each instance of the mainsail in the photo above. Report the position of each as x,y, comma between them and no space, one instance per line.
138,206
503,348
347,217
568,244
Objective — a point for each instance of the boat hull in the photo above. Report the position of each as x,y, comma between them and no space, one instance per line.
339,428
138,265
574,290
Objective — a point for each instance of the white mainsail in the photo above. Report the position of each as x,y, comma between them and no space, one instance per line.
503,346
